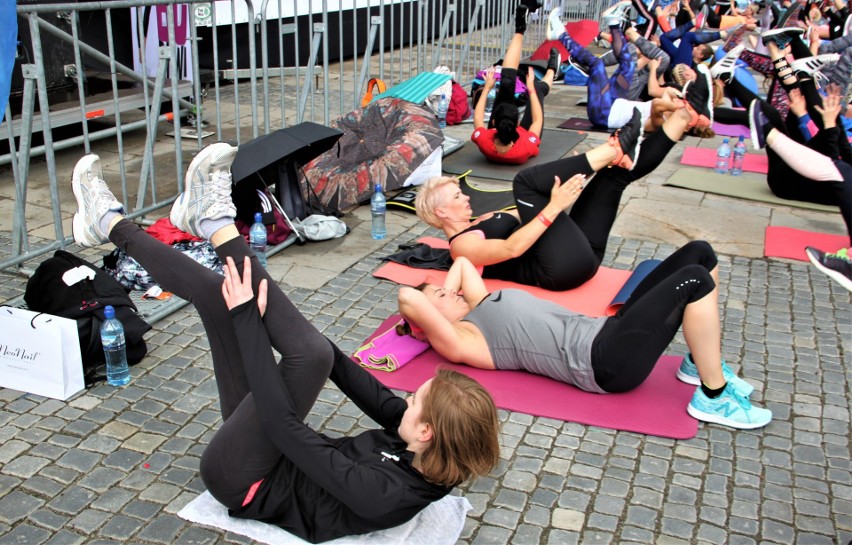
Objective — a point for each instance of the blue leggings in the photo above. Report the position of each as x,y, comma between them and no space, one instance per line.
682,53
603,89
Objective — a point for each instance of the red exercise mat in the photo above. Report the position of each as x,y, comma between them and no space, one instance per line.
657,407
790,243
706,157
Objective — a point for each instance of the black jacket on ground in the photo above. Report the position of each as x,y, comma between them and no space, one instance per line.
325,488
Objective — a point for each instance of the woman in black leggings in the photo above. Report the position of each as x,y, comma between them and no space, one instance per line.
264,463
538,244
512,329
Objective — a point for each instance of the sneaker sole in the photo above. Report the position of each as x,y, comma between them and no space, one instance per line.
831,273
755,141
689,379
79,226
715,419
178,211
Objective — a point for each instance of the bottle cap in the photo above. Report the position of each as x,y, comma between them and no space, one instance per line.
258,217
742,138
725,140
378,187
109,312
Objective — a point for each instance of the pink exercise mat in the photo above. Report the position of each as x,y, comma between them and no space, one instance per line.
790,243
706,157
657,407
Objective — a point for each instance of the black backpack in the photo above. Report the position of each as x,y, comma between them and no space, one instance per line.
84,302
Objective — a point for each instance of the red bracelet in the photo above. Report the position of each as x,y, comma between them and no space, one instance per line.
544,220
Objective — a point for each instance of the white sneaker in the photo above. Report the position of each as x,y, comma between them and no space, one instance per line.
207,191
94,199
618,10
811,65
555,26
725,67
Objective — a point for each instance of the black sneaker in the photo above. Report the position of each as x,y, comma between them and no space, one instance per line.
627,140
790,16
520,19
699,98
554,61
781,36
762,118
837,266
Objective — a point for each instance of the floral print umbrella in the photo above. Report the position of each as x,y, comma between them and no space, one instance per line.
382,143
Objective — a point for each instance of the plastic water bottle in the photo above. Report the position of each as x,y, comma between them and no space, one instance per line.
443,106
723,157
489,102
257,238
378,208
739,157
115,349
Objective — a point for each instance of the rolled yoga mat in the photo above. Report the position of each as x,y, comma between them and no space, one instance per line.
740,187
790,243
706,157
482,201
554,145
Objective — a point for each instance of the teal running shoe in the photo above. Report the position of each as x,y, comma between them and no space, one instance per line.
729,409
688,373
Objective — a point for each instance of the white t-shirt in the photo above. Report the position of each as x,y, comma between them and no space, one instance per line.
622,111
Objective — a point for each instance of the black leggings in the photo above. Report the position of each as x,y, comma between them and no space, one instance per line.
506,93
627,348
239,454
786,183
744,96
569,253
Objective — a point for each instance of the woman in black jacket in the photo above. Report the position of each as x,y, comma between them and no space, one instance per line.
264,463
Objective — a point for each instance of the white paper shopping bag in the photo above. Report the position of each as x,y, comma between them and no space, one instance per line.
39,353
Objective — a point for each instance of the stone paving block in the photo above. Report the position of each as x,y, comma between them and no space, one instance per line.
17,505
25,533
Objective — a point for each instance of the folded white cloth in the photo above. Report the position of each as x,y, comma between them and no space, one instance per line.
440,523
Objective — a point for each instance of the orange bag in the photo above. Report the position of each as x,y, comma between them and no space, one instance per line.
379,86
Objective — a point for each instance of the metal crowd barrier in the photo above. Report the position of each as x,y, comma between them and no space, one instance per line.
255,66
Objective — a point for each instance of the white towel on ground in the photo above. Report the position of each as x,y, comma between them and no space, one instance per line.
440,523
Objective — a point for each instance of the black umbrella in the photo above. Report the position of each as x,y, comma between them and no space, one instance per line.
273,159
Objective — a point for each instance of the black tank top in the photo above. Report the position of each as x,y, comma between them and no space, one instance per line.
500,226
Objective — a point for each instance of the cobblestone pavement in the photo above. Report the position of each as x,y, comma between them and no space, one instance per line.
116,465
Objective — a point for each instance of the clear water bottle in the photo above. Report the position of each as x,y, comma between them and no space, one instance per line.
739,157
378,208
257,238
723,157
489,102
115,349
443,106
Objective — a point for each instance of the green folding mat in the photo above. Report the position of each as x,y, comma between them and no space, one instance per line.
554,144
740,187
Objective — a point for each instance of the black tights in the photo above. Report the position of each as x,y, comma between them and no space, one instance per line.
569,253
627,348
240,453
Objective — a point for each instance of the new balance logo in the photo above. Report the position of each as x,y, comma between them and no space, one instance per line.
726,409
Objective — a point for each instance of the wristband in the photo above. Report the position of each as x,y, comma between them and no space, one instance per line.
544,220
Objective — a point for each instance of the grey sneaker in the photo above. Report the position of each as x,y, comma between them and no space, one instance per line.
207,191
94,199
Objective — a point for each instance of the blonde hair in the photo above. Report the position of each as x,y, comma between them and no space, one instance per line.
678,73
465,430
429,198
